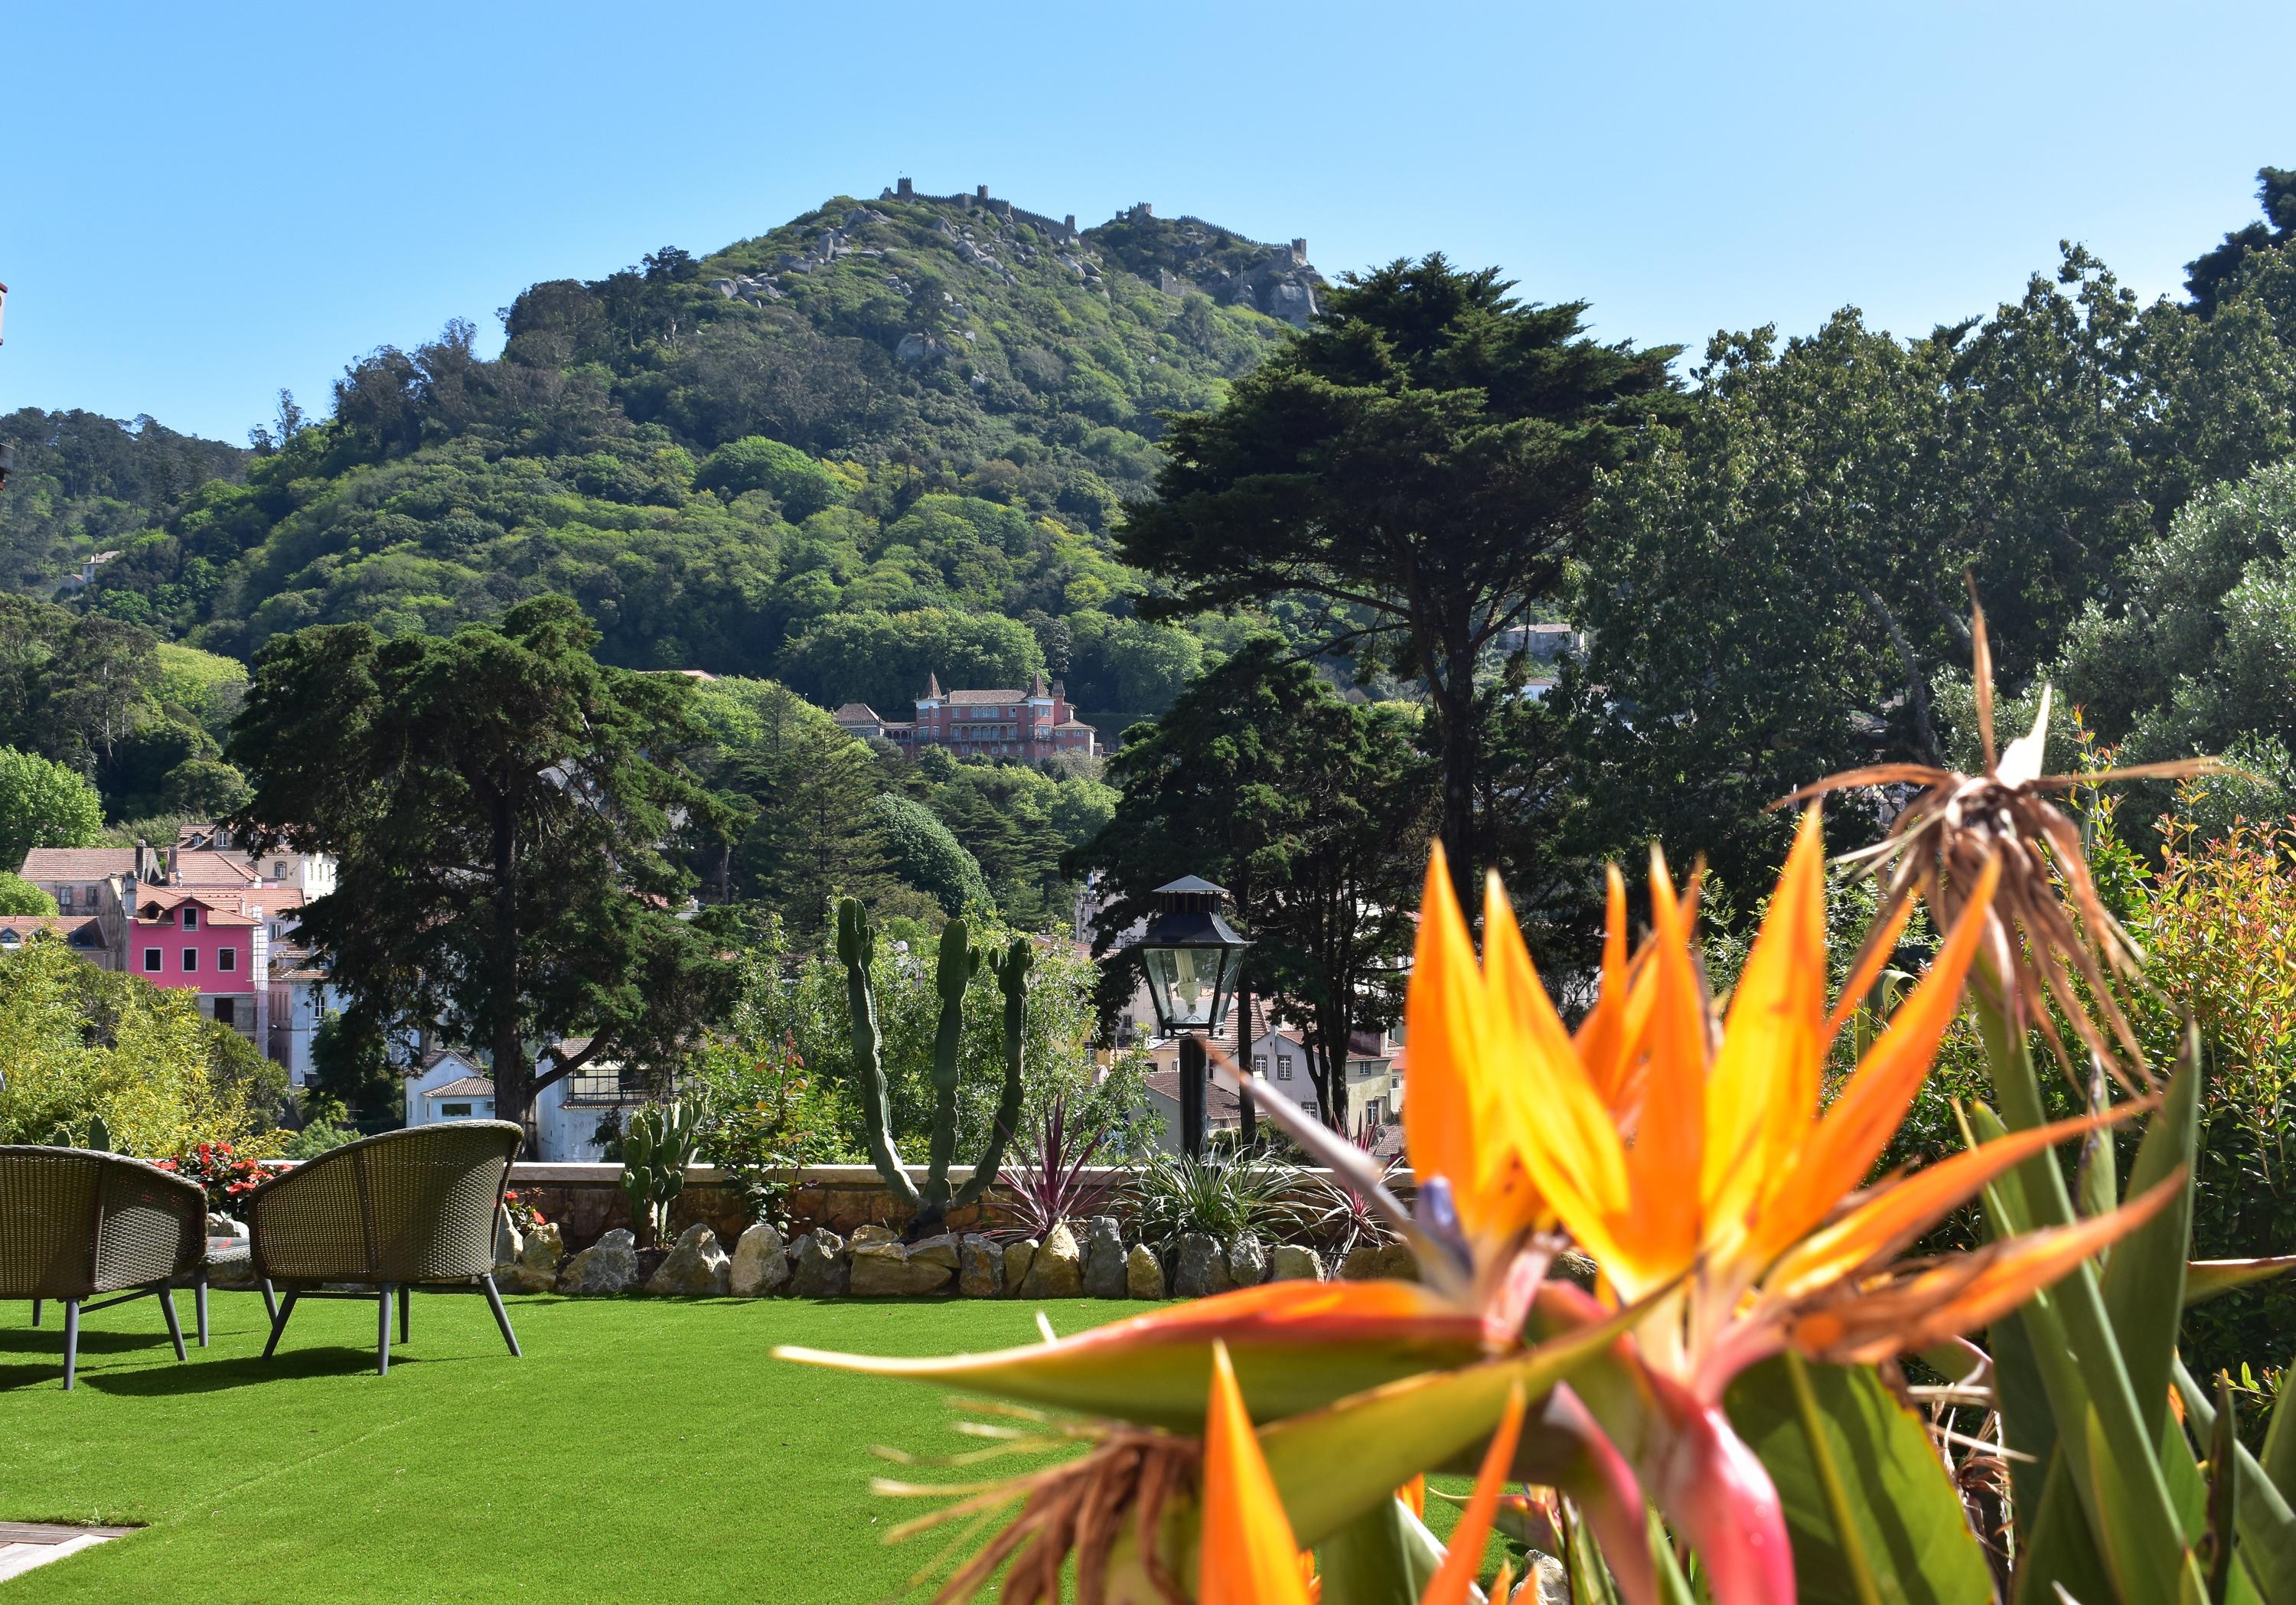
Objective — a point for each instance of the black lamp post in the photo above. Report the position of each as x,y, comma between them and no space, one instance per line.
1192,960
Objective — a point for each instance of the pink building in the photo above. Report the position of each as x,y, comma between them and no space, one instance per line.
1028,727
208,941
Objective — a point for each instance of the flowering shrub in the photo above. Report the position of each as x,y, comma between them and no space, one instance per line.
769,1117
218,1167
524,1214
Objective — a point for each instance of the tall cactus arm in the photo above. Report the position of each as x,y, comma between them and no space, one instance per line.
857,945
1011,967
959,960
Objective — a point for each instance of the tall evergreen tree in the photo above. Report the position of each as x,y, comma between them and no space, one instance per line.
501,807
1420,461
1311,811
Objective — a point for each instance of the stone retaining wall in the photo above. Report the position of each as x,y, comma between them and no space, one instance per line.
586,1200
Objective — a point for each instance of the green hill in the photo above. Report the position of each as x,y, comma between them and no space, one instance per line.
884,435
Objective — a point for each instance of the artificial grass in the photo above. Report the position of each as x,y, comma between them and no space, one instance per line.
644,1449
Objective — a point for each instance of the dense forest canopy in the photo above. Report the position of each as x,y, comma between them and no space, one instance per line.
882,440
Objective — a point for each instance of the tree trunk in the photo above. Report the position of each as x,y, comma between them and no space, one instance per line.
1455,727
514,1076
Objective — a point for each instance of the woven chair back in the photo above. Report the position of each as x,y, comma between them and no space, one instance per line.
74,1223
409,1205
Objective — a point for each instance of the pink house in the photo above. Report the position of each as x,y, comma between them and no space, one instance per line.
210,942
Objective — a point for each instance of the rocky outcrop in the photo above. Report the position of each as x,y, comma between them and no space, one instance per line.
1018,1257
761,1265
608,1265
1103,1259
1247,1261
697,1267
979,1267
1144,1272
1198,1268
1289,1262
1057,1269
820,1269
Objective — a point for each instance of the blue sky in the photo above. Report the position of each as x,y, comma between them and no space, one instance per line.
200,204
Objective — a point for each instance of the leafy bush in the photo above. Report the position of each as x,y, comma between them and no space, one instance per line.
1175,1195
320,1136
768,1119
217,1166
2215,921
523,1212
79,1042
801,484
43,804
18,895
929,857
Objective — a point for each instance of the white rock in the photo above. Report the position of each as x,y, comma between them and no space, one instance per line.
697,1267
761,1266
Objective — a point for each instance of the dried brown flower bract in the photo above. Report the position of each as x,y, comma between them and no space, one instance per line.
2049,936
1081,1507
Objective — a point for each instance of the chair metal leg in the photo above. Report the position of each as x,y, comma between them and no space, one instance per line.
167,1297
71,1342
270,1301
502,1316
279,1323
405,1302
35,1312
382,1330
200,1302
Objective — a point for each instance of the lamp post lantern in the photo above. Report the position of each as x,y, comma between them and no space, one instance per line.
1192,960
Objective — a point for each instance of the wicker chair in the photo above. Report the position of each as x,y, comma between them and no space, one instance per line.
74,1224
407,1209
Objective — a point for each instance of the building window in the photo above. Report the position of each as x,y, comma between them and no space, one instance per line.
279,869
1259,1064
227,1011
1284,1066
454,1111
63,897
152,961
227,959
191,919
190,960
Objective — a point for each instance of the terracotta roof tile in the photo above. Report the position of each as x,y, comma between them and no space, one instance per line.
76,864
469,1086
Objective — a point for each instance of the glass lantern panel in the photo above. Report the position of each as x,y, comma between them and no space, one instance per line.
1187,982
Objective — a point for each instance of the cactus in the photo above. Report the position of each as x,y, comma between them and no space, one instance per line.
959,963
656,1150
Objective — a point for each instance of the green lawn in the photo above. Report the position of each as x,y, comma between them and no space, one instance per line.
642,1450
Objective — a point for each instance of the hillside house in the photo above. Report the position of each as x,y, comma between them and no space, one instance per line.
448,1083
1025,726
127,909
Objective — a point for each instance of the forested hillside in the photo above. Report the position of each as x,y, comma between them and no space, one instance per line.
84,484
883,439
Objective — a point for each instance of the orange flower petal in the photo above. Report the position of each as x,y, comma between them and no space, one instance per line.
1660,1235
1895,1214
1970,1290
1248,1556
1444,1013
1763,1092
1872,1102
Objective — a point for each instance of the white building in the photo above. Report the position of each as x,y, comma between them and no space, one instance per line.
449,1085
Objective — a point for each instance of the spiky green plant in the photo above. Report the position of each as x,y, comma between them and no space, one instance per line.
657,1147
959,963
